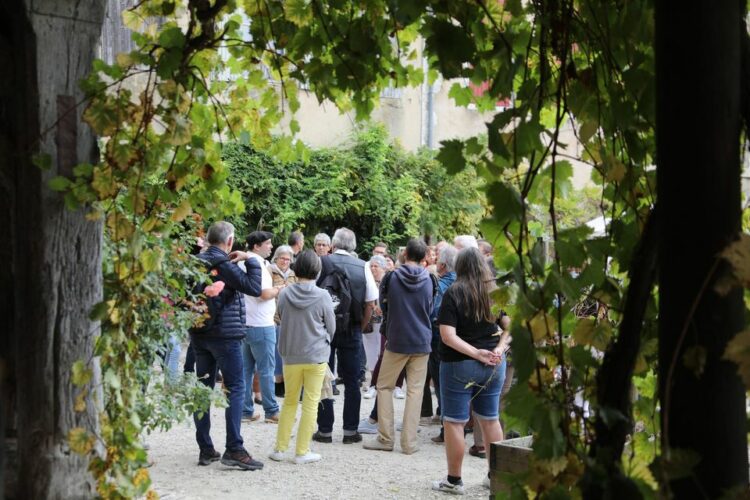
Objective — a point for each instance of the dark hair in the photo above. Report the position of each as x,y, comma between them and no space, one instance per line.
471,288
295,238
307,266
415,250
256,238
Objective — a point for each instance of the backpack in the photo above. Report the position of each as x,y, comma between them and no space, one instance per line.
336,283
209,307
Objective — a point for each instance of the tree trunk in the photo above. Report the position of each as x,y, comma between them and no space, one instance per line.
52,256
698,161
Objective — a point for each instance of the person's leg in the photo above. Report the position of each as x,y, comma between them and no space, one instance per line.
362,362
278,370
263,345
454,377
248,367
293,376
325,408
454,447
172,359
416,370
486,403
392,365
433,367
349,366
206,372
313,376
376,370
478,434
426,409
229,359
189,359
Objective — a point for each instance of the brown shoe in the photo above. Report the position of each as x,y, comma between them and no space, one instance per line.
438,439
251,418
273,419
241,459
477,451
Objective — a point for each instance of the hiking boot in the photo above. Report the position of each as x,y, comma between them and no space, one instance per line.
445,486
477,451
242,459
353,438
251,418
307,458
207,456
321,438
272,419
438,439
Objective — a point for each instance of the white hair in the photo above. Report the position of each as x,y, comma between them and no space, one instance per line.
448,257
322,237
283,249
465,241
344,239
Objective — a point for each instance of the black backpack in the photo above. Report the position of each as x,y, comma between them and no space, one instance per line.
336,283
209,307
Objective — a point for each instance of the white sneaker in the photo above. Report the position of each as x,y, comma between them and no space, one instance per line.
276,456
367,427
307,458
370,393
398,393
446,487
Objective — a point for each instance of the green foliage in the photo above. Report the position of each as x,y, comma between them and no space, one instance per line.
372,186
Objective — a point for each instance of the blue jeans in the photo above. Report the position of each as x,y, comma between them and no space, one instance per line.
470,382
259,351
172,359
348,352
279,370
226,354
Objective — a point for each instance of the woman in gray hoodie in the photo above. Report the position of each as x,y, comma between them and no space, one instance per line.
307,327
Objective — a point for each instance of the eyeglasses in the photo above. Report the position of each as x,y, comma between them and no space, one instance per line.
283,258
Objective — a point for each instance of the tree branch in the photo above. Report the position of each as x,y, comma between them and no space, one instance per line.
604,476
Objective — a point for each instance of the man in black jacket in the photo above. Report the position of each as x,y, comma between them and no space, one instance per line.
347,347
220,345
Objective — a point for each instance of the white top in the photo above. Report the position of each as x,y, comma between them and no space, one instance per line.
371,288
259,312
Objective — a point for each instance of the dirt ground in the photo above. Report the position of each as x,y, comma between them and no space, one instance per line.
346,471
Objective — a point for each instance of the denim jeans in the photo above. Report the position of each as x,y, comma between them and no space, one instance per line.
172,359
470,382
348,352
259,351
279,370
226,354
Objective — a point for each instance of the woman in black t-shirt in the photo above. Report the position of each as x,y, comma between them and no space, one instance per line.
472,369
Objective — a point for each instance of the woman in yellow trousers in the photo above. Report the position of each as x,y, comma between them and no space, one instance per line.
306,330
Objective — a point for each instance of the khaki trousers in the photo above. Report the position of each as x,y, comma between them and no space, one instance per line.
416,372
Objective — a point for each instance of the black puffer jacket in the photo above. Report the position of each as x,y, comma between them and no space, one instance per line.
231,321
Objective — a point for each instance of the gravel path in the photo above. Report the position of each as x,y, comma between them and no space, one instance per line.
346,471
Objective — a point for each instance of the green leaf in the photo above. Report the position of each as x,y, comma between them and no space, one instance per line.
42,160
451,155
80,374
506,202
172,37
452,45
59,183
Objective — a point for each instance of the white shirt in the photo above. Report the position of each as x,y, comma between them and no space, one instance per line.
371,288
259,312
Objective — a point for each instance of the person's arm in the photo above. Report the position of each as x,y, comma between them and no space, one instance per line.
329,316
452,340
270,293
248,282
367,314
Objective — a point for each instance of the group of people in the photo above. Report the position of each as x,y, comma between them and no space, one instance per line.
429,307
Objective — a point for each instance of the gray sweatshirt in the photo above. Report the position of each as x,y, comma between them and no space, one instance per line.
307,324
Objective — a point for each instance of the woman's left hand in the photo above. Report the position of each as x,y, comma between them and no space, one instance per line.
488,357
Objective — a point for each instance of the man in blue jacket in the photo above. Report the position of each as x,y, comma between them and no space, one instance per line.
407,304
219,345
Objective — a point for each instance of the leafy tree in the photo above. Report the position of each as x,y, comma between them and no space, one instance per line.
373,187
